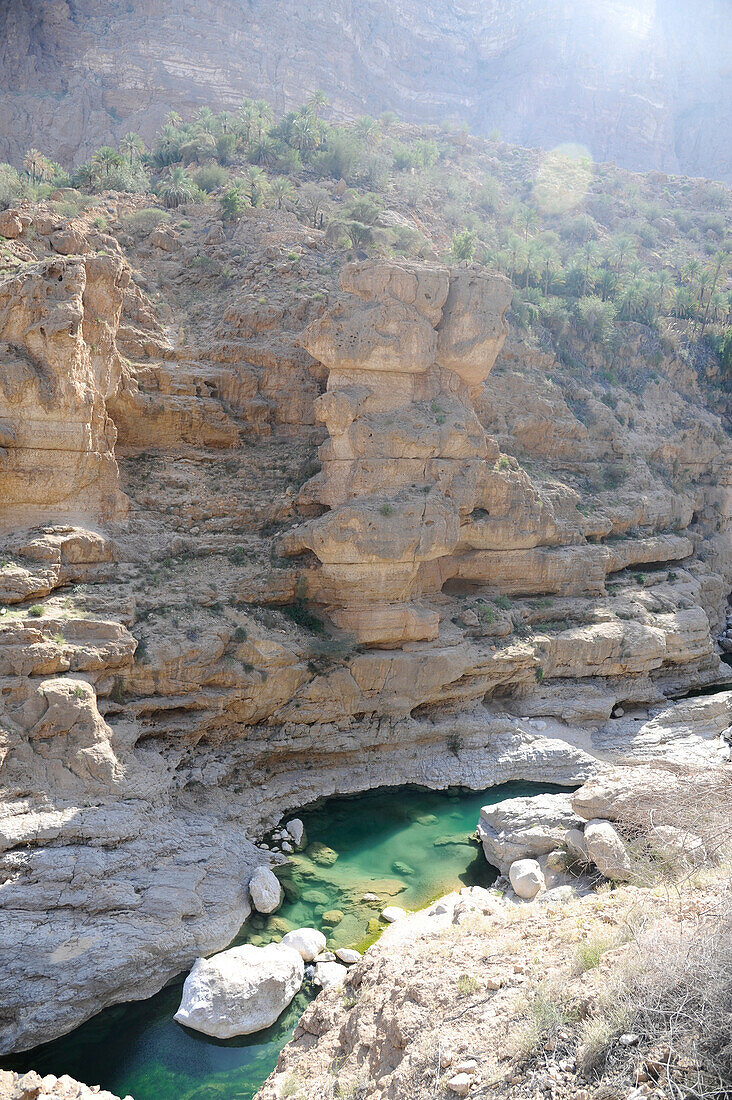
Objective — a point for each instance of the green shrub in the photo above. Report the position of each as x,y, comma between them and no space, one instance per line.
36,610
210,176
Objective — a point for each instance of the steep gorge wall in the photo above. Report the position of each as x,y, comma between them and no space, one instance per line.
164,688
646,84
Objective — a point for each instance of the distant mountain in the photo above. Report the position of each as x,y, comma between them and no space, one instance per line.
645,83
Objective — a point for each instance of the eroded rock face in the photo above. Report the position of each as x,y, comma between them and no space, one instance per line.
159,709
58,368
402,467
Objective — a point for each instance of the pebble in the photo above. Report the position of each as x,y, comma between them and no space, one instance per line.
370,897
460,1084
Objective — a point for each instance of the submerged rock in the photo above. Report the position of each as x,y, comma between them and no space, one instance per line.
240,991
332,917
265,890
322,854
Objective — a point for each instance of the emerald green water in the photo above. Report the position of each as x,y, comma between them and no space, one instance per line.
138,1049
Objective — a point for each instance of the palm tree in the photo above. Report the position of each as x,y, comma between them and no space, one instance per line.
282,191
85,175
206,121
177,188
132,146
367,129
317,102
528,218
247,116
264,116
264,152
105,159
720,260
305,135
36,165
257,184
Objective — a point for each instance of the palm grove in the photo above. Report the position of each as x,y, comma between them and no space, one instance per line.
588,247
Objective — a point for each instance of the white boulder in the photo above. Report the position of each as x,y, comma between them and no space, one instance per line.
240,991
328,974
525,828
296,829
526,877
265,890
574,840
392,913
308,942
607,851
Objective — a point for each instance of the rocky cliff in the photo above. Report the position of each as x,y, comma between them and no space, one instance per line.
273,528
643,84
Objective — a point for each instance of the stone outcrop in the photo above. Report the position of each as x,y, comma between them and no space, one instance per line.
520,828
17,1086
58,367
545,72
405,462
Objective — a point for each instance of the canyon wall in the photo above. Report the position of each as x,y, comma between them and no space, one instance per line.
646,85
309,527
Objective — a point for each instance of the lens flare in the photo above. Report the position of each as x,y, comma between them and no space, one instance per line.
563,179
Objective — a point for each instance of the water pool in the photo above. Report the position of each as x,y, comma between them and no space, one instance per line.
408,845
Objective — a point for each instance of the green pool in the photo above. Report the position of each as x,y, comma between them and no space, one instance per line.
408,845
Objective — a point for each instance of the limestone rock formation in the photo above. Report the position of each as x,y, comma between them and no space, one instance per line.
240,991
59,366
16,1086
405,463
606,850
167,688
518,828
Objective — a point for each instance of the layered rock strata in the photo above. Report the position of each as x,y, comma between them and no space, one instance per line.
407,461
165,690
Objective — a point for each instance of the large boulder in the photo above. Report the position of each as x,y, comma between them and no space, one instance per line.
240,991
606,849
526,877
308,942
265,890
524,828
